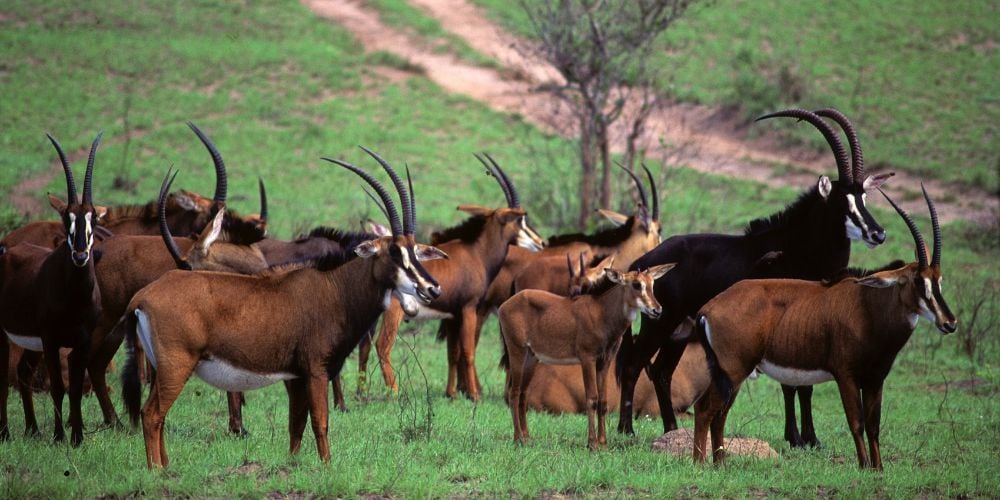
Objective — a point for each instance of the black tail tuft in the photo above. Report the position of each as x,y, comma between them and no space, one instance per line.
719,377
131,385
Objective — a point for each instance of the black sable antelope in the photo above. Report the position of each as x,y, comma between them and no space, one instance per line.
50,299
246,332
811,239
849,331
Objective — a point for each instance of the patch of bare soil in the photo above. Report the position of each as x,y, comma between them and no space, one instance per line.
706,138
680,442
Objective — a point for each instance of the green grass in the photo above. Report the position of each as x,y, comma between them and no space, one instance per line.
917,78
276,89
400,14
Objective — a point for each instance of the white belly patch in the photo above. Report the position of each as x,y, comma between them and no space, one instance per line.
221,374
145,333
26,342
794,376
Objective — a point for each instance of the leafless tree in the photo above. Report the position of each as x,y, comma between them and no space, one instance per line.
601,48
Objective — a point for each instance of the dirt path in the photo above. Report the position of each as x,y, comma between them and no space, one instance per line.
710,140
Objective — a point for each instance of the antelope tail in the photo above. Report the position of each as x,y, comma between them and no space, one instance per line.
722,382
131,385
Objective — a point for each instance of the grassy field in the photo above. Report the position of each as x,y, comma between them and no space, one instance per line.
276,89
918,78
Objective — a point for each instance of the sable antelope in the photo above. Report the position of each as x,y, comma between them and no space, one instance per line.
541,326
187,212
244,332
476,250
805,332
812,236
50,299
631,237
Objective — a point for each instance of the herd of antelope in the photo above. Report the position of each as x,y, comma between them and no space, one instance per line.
240,310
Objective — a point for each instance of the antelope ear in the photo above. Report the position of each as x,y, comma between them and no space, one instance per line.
824,186
875,281
214,230
615,217
657,271
100,212
185,201
876,181
614,276
57,203
475,210
368,248
428,252
378,229
510,215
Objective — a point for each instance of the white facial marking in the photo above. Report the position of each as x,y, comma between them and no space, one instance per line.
26,342
708,330
72,230
220,373
145,334
794,376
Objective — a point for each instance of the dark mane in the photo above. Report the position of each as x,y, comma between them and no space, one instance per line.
858,272
607,238
782,218
346,239
239,231
599,288
144,212
468,231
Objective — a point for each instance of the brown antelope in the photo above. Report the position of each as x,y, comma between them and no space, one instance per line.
540,326
187,212
476,250
808,332
244,332
50,299
560,277
631,237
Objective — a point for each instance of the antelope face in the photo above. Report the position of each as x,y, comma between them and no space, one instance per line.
858,222
930,301
527,237
640,286
80,234
412,283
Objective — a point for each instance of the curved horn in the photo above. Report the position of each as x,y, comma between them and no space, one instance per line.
404,199
515,199
638,185
656,195
413,201
88,177
221,181
857,157
263,200
496,175
161,213
394,222
936,256
377,203
843,168
70,182
917,238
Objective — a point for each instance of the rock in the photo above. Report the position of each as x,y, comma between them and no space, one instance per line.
680,442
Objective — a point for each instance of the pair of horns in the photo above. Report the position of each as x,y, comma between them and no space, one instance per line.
494,170
406,226
850,173
642,192
221,181
88,177
569,264
935,260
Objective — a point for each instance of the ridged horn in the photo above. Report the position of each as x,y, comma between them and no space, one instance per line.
515,199
88,177
70,182
655,194
496,175
917,237
936,256
843,168
263,200
395,225
638,185
161,212
404,199
221,181
857,157
413,200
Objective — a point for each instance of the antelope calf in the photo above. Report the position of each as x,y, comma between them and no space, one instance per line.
807,332
540,326
245,332
560,277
